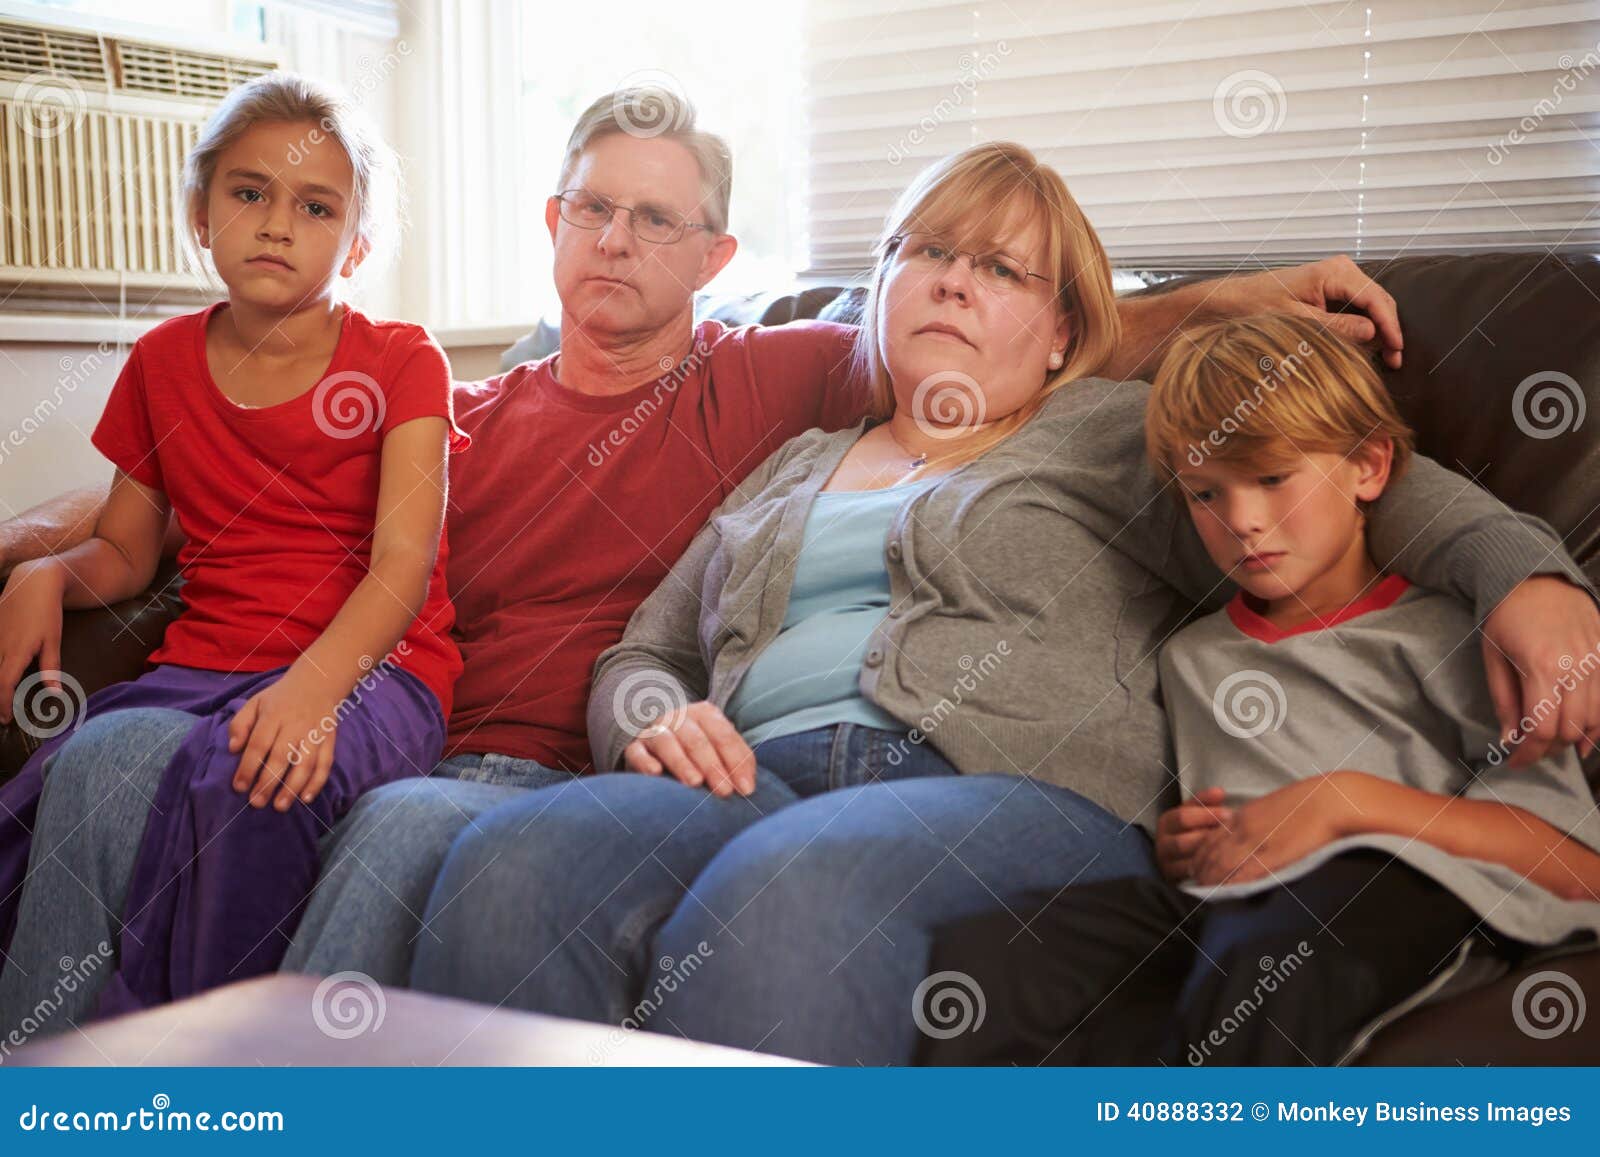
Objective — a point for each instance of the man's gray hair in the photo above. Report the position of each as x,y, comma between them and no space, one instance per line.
652,111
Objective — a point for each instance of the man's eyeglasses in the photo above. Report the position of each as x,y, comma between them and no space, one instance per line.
997,272
652,223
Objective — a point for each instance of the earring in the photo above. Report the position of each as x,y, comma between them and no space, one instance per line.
1056,359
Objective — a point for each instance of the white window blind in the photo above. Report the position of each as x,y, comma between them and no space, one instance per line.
1215,132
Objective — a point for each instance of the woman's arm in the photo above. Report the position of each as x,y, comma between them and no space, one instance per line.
657,674
283,726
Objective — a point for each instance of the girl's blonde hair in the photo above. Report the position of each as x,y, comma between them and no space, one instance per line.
1262,390
983,196
284,97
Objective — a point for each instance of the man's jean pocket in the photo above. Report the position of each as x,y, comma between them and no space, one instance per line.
501,770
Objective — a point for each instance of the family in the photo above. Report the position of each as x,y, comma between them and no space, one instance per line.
855,657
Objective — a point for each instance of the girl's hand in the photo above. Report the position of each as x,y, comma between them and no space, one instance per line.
287,735
699,747
1181,830
1279,828
30,624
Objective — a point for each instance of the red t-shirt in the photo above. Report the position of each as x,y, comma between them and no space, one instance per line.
278,503
570,509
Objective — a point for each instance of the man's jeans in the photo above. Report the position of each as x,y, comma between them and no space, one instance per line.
379,865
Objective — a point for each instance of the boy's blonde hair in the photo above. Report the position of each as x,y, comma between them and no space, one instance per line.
1262,390
286,98
978,196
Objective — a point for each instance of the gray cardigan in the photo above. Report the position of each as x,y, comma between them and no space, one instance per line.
1031,591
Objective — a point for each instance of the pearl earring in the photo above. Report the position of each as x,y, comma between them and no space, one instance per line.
1056,359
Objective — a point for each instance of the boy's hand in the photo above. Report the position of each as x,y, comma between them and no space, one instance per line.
1279,828
1181,830
30,624
287,742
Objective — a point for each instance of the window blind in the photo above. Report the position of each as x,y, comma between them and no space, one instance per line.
1203,134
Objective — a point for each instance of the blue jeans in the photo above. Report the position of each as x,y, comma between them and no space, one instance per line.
98,791
379,865
796,920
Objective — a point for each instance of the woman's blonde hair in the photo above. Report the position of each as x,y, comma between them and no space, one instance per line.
984,195
285,98
1262,390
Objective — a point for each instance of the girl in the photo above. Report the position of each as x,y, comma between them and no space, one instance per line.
302,446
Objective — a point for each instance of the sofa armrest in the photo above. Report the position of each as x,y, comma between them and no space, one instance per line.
101,647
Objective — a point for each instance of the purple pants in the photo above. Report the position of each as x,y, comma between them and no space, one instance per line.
218,886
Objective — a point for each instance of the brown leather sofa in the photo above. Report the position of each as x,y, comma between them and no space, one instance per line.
1476,329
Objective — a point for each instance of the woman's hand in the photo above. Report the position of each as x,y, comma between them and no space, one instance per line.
699,746
287,735
1279,828
30,624
1181,830
1534,646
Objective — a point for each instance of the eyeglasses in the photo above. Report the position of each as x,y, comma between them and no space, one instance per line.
997,272
652,223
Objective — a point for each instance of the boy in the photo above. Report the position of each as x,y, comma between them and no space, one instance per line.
1351,831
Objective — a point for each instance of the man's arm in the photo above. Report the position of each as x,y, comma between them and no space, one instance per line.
58,524
1149,321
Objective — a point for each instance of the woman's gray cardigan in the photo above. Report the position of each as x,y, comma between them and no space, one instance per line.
1031,592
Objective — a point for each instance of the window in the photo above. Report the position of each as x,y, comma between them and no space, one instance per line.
1237,131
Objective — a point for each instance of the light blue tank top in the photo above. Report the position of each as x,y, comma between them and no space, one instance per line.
809,675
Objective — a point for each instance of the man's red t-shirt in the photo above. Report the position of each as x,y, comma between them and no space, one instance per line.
570,509
278,503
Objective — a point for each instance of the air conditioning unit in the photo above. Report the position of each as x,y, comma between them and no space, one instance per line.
93,133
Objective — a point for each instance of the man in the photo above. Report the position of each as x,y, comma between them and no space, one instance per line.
589,474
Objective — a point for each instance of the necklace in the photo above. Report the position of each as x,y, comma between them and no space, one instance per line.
917,461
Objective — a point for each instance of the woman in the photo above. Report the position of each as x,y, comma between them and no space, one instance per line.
912,661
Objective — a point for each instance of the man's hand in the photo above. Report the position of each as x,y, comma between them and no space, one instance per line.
700,747
1311,291
1534,646
1181,830
1150,321
1279,828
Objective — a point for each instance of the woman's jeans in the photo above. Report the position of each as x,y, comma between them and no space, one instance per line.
796,920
